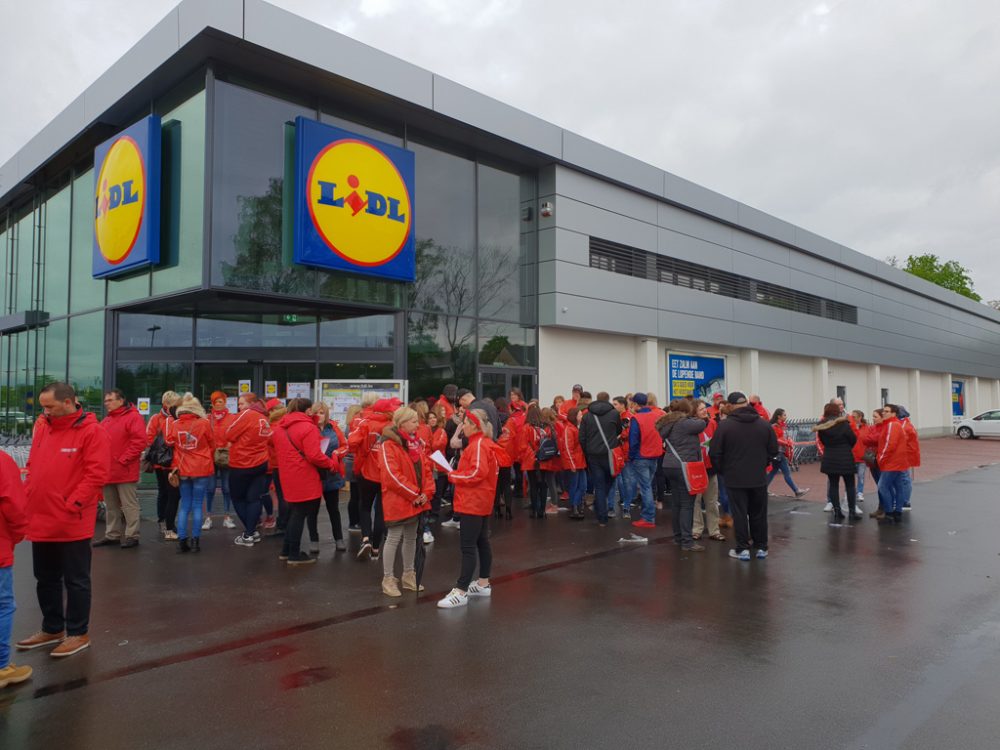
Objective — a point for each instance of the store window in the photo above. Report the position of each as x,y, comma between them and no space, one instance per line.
506,345
86,359
498,209
23,293
55,288
152,379
85,292
367,332
247,208
52,364
442,349
245,331
154,331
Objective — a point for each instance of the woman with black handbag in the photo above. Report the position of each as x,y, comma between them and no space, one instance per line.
838,439
161,456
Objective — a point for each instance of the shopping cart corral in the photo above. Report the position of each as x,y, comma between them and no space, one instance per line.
804,450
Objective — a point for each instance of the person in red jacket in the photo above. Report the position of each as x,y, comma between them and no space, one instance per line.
363,442
12,526
248,478
67,469
300,460
221,418
193,441
538,425
893,461
127,435
573,462
475,480
407,482
168,497
507,444
758,406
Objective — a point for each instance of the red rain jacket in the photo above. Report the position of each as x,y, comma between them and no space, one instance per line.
67,471
194,445
247,436
127,433
400,484
569,446
363,441
475,477
13,521
893,451
297,443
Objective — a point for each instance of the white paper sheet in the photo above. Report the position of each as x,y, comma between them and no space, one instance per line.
442,462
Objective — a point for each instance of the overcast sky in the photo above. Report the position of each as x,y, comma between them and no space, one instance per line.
873,123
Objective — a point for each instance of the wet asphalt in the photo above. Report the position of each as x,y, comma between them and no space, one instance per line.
862,636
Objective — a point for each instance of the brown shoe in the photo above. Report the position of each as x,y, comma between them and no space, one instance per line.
11,675
693,548
72,645
410,580
390,587
725,521
877,513
40,640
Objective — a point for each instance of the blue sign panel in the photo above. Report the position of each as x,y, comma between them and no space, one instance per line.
694,374
958,398
353,203
127,200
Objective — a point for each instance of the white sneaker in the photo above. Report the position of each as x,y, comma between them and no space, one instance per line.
828,508
228,523
243,541
428,537
803,493
476,590
451,523
256,537
858,513
861,497
206,524
170,535
455,598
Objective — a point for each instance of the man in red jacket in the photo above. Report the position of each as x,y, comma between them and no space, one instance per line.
67,469
127,436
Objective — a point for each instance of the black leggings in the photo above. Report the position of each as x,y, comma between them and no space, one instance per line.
247,487
503,490
832,494
539,481
168,498
297,515
371,505
354,504
332,500
474,536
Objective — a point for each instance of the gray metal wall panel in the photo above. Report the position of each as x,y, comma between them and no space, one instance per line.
760,269
604,195
761,248
593,315
810,284
694,302
687,193
615,166
685,222
316,45
197,15
682,327
817,245
572,247
813,266
582,281
686,247
596,222
465,105
757,221
754,314
156,46
762,337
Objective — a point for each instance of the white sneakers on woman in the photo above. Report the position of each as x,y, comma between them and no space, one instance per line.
476,590
455,598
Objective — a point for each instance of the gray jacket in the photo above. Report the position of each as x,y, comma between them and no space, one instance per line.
684,435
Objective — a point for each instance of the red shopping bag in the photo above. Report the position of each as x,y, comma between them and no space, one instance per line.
695,477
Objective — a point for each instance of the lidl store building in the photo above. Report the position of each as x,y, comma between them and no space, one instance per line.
247,196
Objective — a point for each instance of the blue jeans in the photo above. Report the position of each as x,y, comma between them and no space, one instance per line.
644,469
890,491
7,609
785,471
862,470
193,490
906,488
577,486
723,498
221,479
600,476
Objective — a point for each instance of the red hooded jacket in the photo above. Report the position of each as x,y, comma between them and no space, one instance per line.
400,485
194,445
912,442
529,439
297,442
67,471
220,423
569,446
13,521
475,477
127,433
363,440
893,451
507,445
247,436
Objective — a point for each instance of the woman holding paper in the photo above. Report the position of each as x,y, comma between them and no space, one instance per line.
475,481
407,488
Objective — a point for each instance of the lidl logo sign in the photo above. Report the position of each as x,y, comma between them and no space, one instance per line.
353,203
127,200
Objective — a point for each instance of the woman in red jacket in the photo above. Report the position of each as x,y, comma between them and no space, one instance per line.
475,480
300,459
538,425
407,489
193,440
248,477
785,448
573,462
221,418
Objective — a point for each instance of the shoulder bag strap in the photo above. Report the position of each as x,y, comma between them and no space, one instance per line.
604,439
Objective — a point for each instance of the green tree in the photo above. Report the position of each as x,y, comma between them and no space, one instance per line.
949,274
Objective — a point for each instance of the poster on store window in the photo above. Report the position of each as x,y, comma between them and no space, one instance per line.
270,389
958,398
695,374
142,404
341,395
299,390
244,387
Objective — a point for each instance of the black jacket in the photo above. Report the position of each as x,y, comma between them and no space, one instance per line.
610,424
742,448
684,434
838,441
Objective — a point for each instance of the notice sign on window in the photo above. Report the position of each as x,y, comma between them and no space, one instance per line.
142,404
695,375
271,388
244,387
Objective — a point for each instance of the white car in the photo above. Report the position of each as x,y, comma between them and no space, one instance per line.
986,424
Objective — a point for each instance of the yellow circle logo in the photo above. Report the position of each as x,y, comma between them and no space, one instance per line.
120,200
359,203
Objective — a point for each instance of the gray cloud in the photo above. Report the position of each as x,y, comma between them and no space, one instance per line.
873,124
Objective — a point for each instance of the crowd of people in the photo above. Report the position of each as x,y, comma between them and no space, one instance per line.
455,461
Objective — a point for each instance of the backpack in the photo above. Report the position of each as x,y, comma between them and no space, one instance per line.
548,446
159,453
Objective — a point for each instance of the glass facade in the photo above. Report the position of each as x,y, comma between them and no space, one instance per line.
247,312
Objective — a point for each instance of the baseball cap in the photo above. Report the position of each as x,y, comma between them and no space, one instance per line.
639,398
578,387
736,398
